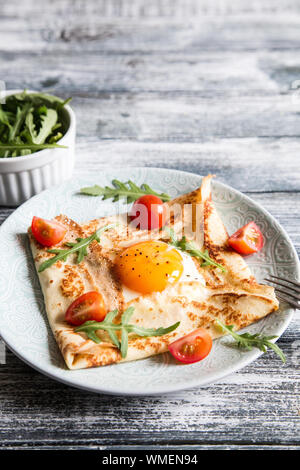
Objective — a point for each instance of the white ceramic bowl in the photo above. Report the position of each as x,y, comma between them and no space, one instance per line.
23,177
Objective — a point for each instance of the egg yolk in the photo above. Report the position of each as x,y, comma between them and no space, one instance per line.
149,266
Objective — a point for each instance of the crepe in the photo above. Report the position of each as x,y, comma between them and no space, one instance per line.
234,296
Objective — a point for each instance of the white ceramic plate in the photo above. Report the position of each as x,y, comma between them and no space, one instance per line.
23,321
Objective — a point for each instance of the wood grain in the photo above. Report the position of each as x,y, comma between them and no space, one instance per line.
250,165
201,86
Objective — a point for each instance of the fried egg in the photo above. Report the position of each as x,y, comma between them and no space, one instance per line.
153,266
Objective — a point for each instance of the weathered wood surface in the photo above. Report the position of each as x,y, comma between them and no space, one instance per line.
196,85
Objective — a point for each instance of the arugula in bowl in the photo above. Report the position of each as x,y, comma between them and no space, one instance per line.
30,122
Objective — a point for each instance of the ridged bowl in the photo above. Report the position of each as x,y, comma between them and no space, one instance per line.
23,177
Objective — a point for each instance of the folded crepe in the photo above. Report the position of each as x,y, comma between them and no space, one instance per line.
233,296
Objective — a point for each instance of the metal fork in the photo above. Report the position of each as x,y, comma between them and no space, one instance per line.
288,290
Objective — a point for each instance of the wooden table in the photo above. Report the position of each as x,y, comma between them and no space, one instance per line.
196,85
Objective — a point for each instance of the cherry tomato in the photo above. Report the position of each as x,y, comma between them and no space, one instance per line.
89,306
148,212
193,347
47,232
247,240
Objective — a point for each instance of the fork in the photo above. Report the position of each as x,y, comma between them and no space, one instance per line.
288,290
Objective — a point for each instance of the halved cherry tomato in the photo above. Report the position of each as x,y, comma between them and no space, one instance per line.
89,306
247,240
148,212
47,232
193,347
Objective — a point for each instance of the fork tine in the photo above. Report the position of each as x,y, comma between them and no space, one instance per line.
293,296
289,301
295,283
296,289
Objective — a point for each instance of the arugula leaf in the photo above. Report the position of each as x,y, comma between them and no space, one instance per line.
40,99
80,248
55,138
191,249
5,117
120,190
33,147
42,109
20,118
29,123
15,128
29,132
108,319
90,328
248,341
48,121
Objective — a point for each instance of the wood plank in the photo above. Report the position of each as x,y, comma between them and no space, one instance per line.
158,447
206,74
155,8
151,117
114,26
182,101
250,165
